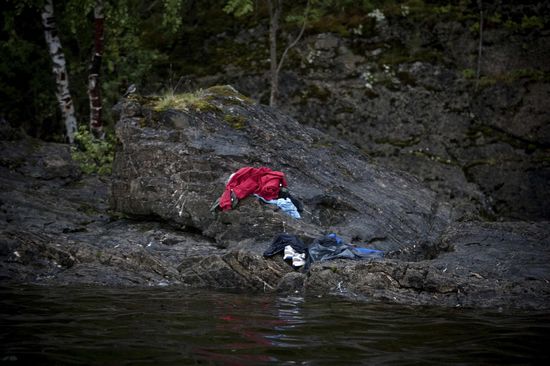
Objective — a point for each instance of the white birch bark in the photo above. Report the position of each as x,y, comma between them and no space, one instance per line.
59,70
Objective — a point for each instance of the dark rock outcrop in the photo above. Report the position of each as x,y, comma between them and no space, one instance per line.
55,226
404,91
172,164
176,165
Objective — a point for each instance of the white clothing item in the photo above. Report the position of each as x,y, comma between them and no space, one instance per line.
289,253
298,259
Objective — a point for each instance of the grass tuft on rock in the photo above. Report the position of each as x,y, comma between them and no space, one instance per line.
201,100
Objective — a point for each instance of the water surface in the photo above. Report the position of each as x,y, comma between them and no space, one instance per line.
106,326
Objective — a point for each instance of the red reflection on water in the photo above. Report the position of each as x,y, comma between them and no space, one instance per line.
232,322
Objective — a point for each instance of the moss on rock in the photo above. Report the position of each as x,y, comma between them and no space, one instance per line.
200,100
238,122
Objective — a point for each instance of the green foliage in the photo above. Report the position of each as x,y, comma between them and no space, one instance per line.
74,18
239,8
445,9
474,28
532,22
200,100
495,18
197,100
468,73
171,18
93,155
27,88
128,55
527,73
526,24
143,37
177,101
295,12
341,6
514,75
134,44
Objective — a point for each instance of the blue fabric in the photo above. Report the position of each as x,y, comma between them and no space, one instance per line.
370,252
285,204
335,237
332,246
361,251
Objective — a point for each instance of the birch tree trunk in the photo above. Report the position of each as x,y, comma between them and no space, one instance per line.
94,86
274,14
59,70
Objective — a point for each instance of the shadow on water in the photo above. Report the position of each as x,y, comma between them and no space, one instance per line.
106,326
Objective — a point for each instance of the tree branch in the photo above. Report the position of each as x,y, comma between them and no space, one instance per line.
480,47
295,40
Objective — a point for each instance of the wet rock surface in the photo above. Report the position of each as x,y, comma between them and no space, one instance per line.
150,224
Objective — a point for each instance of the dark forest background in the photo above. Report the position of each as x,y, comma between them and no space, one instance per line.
160,45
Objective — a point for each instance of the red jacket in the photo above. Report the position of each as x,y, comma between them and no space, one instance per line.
246,181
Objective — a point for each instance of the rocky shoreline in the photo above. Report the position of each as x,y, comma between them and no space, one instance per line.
149,224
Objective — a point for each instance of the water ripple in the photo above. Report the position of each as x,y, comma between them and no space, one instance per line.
98,326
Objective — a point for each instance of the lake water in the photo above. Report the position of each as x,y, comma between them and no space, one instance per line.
106,326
